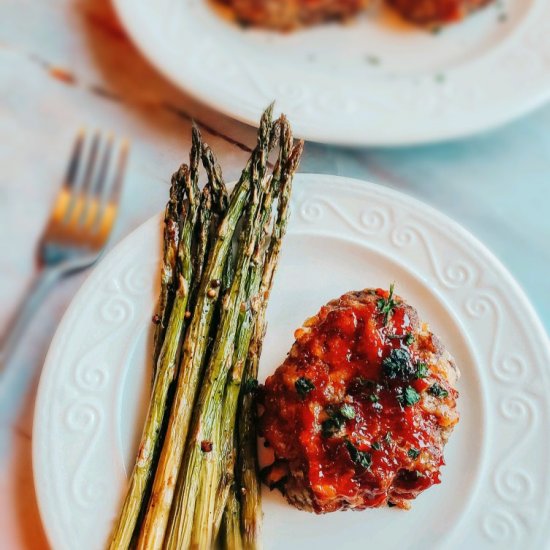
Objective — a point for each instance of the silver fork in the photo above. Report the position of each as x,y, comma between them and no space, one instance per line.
80,223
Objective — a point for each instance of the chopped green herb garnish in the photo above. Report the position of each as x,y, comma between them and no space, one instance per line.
361,458
409,339
413,453
304,386
438,391
347,411
386,305
387,438
421,370
332,425
398,364
409,397
376,446
250,386
374,398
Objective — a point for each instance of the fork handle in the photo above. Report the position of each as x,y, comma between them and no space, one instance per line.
43,280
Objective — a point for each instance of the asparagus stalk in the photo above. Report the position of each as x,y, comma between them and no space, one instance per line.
250,490
169,276
194,350
200,459
228,443
203,237
215,202
225,475
215,205
208,405
218,473
265,273
198,474
215,178
195,155
166,370
229,451
232,539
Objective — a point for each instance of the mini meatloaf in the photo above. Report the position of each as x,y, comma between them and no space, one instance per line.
436,11
289,14
360,411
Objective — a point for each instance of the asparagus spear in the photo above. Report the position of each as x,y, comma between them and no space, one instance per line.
166,369
232,539
169,278
227,445
215,178
203,237
208,405
250,490
194,350
217,475
229,451
172,227
247,320
211,501
219,201
215,202
225,474
195,155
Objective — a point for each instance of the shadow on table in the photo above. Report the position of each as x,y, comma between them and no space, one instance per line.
32,532
25,524
131,81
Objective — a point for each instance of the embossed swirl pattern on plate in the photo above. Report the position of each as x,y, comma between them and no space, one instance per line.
456,274
369,221
84,416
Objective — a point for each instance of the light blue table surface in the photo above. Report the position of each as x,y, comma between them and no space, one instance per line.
496,185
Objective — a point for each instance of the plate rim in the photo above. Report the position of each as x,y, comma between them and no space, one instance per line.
40,477
205,96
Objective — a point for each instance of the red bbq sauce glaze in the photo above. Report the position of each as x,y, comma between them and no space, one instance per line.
349,426
437,11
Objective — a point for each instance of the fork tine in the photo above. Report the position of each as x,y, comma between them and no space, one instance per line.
92,197
65,200
109,211
99,183
89,172
119,174
78,208
74,163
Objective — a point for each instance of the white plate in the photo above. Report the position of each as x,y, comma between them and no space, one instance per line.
343,235
367,83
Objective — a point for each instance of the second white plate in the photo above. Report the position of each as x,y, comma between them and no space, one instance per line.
373,82
344,235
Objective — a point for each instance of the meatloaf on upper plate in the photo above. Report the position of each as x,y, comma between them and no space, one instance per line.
289,14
